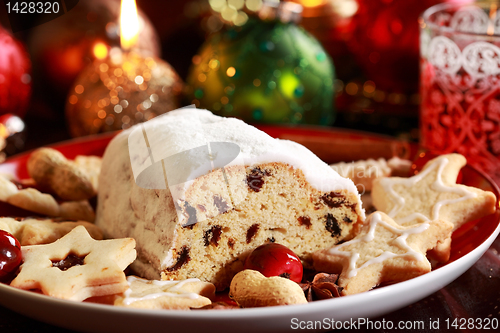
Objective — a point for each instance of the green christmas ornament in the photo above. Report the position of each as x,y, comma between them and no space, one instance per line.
267,71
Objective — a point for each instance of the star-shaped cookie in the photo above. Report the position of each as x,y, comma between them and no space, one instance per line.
155,294
432,194
383,251
76,267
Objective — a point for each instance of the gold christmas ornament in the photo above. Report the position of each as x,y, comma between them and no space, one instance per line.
120,91
123,89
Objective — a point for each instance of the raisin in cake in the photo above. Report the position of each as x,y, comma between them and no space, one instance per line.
192,223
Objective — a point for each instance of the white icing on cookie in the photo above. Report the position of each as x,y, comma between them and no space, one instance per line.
438,185
170,289
375,220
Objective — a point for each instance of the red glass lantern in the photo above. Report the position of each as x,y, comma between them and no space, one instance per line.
460,81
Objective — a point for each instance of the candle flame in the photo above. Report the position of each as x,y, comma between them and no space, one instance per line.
493,14
129,24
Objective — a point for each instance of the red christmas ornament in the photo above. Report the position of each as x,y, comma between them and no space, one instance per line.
15,77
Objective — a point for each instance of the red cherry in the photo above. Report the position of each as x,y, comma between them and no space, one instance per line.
421,161
10,253
275,260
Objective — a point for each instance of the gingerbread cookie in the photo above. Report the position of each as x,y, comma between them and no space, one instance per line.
155,294
383,251
30,231
76,266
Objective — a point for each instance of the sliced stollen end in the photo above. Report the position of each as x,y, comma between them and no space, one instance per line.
282,208
273,191
383,251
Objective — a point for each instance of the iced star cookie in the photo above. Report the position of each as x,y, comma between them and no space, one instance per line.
30,231
76,266
383,251
155,294
432,194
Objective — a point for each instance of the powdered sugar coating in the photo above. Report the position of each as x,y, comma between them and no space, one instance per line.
184,129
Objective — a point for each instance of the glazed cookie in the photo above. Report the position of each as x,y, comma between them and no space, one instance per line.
76,266
155,294
433,194
383,251
30,231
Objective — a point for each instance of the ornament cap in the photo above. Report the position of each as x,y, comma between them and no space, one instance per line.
283,11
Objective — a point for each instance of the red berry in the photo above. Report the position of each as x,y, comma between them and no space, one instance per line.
275,260
10,253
